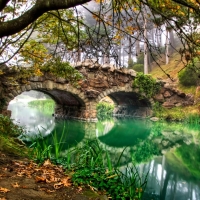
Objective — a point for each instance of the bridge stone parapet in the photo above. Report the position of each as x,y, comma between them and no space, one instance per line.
80,101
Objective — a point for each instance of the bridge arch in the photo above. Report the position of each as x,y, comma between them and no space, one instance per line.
128,102
70,102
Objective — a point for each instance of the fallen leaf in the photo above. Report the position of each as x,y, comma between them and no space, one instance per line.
80,189
15,185
4,190
47,190
57,185
40,179
47,162
66,181
50,191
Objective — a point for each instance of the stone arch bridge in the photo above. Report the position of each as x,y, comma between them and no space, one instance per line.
98,82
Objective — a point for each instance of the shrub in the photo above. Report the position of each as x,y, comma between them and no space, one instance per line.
188,77
104,109
138,67
146,84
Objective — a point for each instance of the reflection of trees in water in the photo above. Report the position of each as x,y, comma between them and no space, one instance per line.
34,121
167,182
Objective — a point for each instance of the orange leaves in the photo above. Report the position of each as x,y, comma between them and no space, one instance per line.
4,190
46,174
50,174
15,185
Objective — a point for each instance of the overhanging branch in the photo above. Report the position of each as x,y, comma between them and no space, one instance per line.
16,25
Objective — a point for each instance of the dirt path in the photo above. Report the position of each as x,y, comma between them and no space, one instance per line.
21,179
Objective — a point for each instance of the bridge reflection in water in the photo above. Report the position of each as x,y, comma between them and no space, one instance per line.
148,144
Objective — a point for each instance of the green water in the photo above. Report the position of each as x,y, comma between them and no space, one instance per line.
169,151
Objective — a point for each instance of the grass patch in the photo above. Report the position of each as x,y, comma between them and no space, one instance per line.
91,165
174,66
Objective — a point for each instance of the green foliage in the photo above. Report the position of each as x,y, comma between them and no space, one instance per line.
46,106
173,114
158,110
62,69
8,128
104,110
8,141
193,119
94,168
144,152
188,76
146,85
138,67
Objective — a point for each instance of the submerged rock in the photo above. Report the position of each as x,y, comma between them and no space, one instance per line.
154,119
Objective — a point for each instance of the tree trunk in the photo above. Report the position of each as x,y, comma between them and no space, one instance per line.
162,174
172,41
145,48
167,47
137,43
164,189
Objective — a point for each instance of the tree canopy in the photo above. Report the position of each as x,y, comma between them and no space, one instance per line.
34,32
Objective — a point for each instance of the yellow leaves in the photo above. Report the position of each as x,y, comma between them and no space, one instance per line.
130,29
135,9
37,72
34,51
99,1
117,37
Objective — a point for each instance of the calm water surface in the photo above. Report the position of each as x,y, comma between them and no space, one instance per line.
169,151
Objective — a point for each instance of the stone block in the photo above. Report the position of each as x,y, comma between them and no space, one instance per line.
36,78
28,87
101,95
159,97
59,87
60,80
167,94
10,95
19,91
65,87
14,92
33,85
168,105
23,88
39,85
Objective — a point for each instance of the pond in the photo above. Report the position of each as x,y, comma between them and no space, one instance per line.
170,152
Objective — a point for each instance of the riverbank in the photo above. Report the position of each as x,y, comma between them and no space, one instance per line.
21,178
